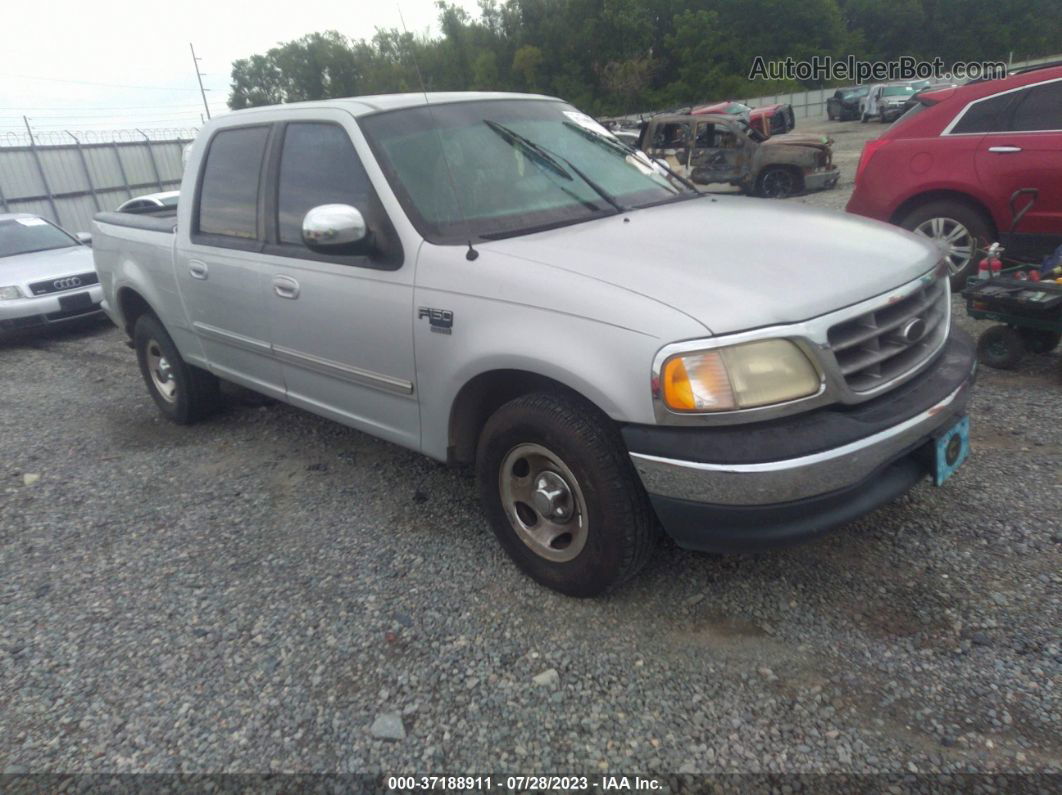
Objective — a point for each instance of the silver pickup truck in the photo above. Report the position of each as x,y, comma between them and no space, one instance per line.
493,279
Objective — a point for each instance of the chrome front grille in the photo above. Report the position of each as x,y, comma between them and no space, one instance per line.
885,343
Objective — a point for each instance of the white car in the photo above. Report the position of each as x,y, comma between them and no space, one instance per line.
46,275
152,202
885,101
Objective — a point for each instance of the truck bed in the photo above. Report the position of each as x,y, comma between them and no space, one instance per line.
148,223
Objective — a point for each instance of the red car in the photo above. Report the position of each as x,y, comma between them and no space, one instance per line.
962,164
769,120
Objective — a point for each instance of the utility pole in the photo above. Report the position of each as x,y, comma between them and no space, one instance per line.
199,77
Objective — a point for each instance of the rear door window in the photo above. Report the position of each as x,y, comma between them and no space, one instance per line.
1038,108
228,198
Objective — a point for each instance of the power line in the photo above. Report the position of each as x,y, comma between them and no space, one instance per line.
108,85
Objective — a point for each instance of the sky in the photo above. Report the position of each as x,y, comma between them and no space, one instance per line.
110,64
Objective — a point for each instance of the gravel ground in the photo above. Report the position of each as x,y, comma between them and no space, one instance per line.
269,591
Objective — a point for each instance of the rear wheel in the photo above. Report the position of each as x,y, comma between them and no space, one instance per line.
1000,347
778,182
562,495
960,231
1039,341
182,392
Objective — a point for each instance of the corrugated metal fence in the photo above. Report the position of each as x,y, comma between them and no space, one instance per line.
68,183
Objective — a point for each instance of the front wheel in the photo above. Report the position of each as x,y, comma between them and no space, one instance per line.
778,182
562,495
182,392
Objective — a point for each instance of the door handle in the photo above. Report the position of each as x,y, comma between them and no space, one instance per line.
286,287
1004,150
197,269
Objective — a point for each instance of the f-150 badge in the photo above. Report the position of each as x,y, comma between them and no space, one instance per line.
440,320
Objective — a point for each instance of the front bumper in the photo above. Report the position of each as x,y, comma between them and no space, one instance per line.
892,112
46,309
820,180
747,486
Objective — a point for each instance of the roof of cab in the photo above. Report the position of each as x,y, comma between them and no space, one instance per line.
375,103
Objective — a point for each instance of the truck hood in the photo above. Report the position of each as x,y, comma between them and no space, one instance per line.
35,266
733,263
800,139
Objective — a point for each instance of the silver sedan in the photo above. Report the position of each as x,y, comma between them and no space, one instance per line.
46,275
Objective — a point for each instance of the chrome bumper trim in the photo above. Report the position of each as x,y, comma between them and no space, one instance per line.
793,478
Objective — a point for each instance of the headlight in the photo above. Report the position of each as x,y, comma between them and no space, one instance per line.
9,293
738,377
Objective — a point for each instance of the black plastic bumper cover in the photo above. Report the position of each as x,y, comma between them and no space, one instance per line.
727,528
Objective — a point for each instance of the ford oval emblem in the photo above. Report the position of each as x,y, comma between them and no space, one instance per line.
913,330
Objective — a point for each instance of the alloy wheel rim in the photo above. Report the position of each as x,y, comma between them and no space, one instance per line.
953,237
161,372
544,502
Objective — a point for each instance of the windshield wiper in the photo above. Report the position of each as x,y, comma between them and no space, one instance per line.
551,158
618,146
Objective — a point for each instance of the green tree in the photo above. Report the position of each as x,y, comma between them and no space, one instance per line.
526,63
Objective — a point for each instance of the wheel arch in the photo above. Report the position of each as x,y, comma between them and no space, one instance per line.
484,394
131,306
912,203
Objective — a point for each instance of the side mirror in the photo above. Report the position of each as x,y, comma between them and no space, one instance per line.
330,228
84,238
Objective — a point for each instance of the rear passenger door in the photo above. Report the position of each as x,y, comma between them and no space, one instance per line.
1024,151
219,272
341,325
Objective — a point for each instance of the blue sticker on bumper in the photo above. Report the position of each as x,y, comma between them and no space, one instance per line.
951,449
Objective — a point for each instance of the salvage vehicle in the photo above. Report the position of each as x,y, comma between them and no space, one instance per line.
769,120
885,102
961,165
724,149
844,104
494,280
46,274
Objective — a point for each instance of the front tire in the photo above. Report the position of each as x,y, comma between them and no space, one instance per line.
778,182
562,496
183,393
959,228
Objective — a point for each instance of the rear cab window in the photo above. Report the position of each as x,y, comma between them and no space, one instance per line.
226,214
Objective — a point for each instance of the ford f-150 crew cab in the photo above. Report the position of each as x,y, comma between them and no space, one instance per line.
493,279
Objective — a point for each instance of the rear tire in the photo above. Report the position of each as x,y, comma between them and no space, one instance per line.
939,220
182,392
1000,347
562,496
1039,341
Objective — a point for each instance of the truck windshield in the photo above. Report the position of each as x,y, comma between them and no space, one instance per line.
496,168
26,235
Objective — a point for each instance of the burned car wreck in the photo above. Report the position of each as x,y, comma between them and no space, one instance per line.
724,149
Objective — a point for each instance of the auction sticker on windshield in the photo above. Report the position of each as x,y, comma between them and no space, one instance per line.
587,122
